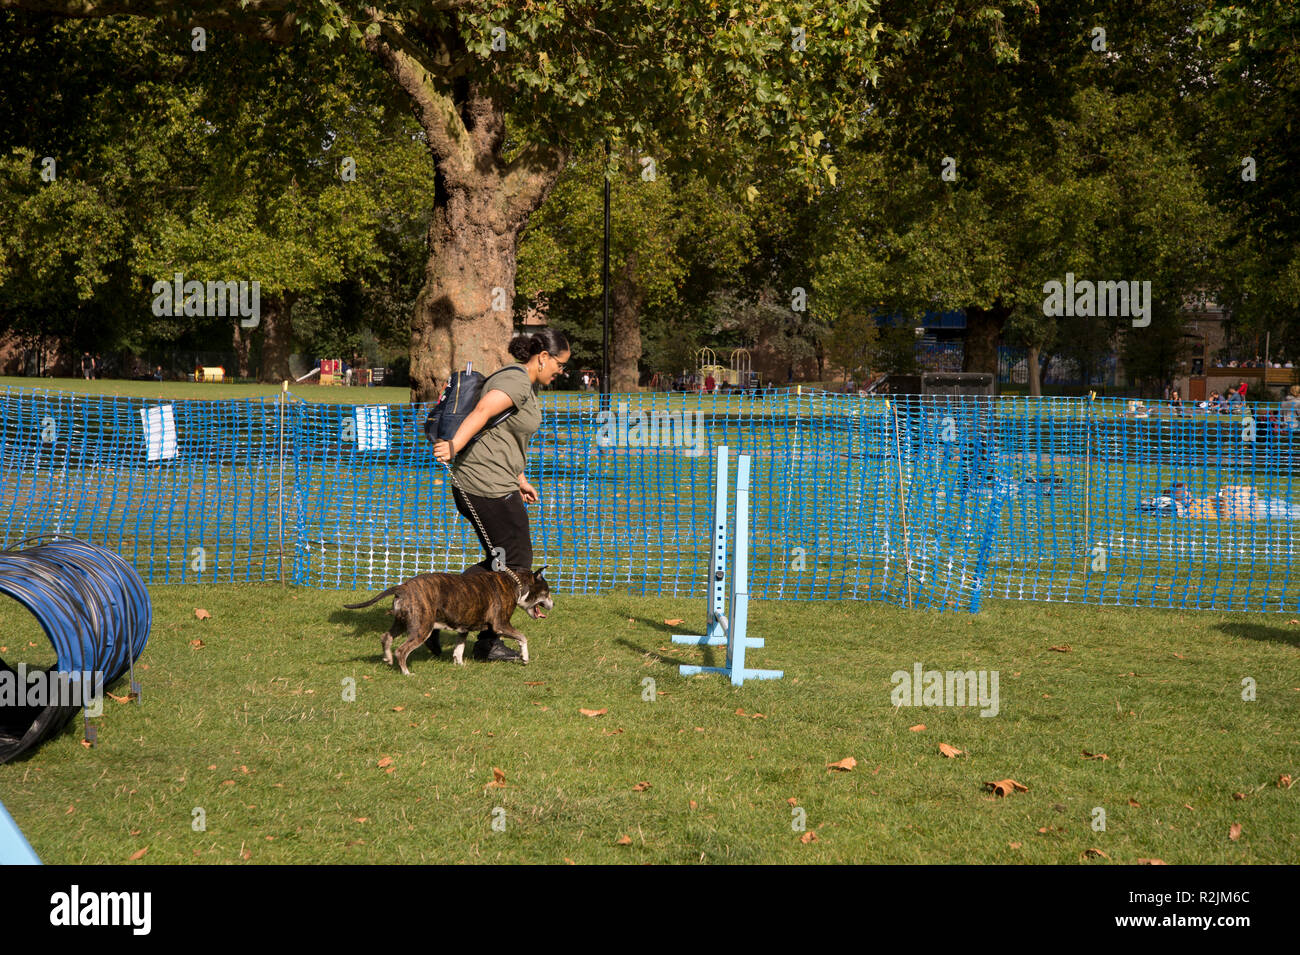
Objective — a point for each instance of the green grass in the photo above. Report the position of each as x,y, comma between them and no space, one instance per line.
252,727
196,391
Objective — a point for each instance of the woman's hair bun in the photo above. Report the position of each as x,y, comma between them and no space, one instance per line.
524,347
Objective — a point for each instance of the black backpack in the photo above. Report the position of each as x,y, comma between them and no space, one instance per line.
459,398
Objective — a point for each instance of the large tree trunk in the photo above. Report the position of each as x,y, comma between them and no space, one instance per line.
983,332
465,311
242,343
277,338
626,300
1035,374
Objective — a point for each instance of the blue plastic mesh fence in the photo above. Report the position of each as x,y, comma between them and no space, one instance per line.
930,501
186,491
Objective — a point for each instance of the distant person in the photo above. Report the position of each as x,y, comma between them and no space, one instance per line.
1176,402
1290,409
98,366
157,373
87,365
709,382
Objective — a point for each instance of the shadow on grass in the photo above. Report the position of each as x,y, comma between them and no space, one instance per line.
713,656
1288,634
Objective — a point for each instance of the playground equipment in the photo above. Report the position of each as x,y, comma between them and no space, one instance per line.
211,374
741,368
720,628
739,375
95,610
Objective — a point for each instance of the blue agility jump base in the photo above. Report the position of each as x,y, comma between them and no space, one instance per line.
14,847
721,628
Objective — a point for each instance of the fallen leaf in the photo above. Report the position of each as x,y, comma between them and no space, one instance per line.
139,854
1234,832
950,751
1015,845
136,832
808,837
1180,656
699,729
120,699
1135,804
640,787
1188,806
227,782
1005,787
1061,648
792,801
498,780
1092,854
694,804
624,841
674,622
844,765
1284,781
246,855
600,712
1152,862
362,819
197,644
569,861
611,732
398,709
201,613
71,810
385,761
918,728
1088,755
1238,795
740,711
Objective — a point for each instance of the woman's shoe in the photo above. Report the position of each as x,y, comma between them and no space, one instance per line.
489,646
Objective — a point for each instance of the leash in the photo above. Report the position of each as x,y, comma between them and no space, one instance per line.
456,484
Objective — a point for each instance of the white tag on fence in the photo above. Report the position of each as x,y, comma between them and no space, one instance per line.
372,428
159,432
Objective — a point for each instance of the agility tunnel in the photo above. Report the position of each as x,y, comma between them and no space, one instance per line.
96,612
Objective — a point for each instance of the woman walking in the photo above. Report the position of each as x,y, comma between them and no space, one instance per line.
490,475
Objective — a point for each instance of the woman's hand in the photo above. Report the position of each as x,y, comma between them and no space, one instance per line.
442,451
528,492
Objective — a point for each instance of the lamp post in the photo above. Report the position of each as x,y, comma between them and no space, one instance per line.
604,280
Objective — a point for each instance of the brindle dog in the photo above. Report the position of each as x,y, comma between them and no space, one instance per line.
428,603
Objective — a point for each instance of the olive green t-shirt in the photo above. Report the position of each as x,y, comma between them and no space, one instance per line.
492,465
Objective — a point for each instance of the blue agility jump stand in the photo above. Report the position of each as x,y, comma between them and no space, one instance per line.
719,628
14,847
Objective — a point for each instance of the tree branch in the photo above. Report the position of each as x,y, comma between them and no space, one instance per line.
448,138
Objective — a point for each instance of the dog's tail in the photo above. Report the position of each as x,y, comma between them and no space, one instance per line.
372,600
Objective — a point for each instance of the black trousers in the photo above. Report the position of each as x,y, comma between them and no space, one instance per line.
506,521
